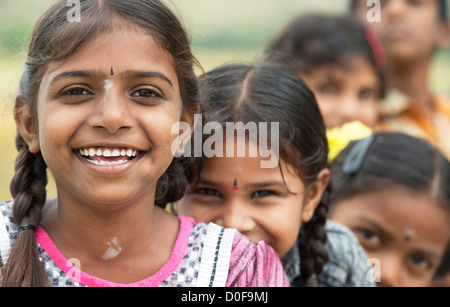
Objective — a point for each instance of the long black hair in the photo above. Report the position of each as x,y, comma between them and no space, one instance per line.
55,39
316,40
271,93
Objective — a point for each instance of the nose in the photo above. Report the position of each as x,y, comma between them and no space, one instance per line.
112,112
348,108
394,8
238,216
391,271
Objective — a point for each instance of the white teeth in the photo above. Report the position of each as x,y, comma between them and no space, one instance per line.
116,152
107,163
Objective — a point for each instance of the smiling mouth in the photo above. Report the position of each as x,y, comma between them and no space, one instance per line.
108,156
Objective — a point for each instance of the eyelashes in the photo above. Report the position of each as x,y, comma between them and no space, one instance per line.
214,193
81,93
78,91
147,94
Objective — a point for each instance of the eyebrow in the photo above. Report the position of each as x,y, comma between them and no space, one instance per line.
260,185
146,74
72,74
128,74
209,182
377,227
388,235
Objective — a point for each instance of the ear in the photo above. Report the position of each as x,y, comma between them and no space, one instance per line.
186,128
314,195
24,122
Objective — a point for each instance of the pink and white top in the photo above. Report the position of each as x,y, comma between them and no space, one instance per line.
203,255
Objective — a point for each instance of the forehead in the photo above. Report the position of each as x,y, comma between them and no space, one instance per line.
356,69
440,5
126,48
402,212
247,168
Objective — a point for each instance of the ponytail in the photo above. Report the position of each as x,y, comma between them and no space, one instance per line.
23,268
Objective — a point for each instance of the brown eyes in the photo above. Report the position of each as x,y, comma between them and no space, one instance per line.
146,93
141,93
76,92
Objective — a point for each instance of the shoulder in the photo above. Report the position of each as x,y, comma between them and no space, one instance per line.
8,230
6,206
443,105
7,219
348,264
254,265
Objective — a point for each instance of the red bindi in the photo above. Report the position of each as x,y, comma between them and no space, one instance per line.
235,187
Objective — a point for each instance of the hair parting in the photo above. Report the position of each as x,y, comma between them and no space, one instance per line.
246,93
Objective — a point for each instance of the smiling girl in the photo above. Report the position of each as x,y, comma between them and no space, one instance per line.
96,106
285,205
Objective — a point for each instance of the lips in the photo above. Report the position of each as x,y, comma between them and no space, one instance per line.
397,32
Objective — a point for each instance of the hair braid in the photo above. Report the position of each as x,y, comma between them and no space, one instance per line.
312,241
28,189
172,184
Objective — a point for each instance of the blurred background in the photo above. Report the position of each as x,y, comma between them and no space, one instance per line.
222,31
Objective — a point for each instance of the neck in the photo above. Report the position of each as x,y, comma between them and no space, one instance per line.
80,224
413,81
139,237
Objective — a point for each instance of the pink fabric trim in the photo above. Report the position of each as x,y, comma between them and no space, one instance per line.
255,265
178,253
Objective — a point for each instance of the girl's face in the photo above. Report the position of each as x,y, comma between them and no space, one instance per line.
406,231
237,193
105,118
346,94
409,28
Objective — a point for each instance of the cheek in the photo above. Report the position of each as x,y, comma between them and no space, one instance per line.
190,207
369,113
283,225
158,129
327,105
55,131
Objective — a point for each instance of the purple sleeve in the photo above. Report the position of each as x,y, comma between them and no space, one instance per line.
254,265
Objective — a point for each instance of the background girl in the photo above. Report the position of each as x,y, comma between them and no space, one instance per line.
393,191
413,32
273,204
341,61
97,103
